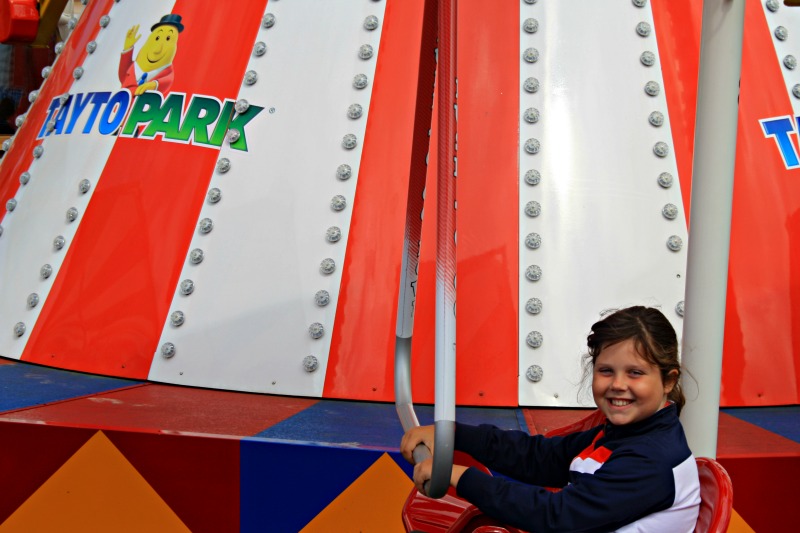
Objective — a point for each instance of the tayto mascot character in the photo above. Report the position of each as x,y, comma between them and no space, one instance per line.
152,70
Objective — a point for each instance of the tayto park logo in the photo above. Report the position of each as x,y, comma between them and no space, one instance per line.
780,129
144,106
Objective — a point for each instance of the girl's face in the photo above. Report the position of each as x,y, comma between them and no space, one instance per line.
625,387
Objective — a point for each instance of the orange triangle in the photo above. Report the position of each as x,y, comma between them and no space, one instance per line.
372,503
97,489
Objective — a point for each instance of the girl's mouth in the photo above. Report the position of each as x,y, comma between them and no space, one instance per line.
619,402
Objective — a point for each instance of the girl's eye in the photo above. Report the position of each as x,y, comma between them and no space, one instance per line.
604,371
637,373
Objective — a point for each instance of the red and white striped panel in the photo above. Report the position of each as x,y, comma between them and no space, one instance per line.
115,285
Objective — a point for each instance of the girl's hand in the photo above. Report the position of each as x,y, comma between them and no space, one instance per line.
413,437
422,473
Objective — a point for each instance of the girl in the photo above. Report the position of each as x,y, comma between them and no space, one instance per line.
635,472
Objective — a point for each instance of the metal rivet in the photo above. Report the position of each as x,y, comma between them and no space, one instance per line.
260,49
648,59
532,146
531,115
534,373
46,72
104,20
533,241
643,29
24,178
223,165
19,329
371,22
360,81
679,308
91,46
232,136
214,195
530,25
531,85
338,202
72,23
1,231
640,3
72,214
59,242
268,21
33,94
534,339
656,118
58,47
533,209
661,149
665,180
250,77
772,5
167,350
63,98
533,177
310,363
196,256
365,51
206,225
790,62
796,90
354,111
11,204
46,271
33,300
20,120
6,145
77,73
322,298
177,318
349,141
51,125
530,2
333,234
38,151
670,211
652,88
344,172
327,266
241,105
531,55
187,287
674,243
533,306
781,33
316,330
84,186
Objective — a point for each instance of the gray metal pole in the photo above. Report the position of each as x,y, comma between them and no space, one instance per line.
710,221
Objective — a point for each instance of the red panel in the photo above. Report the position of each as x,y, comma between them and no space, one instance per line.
19,20
31,453
155,408
678,25
197,477
19,157
487,219
117,280
361,360
762,329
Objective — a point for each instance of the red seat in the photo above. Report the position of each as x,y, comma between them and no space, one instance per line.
716,497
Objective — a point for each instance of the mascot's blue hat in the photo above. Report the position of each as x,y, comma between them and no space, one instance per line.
169,20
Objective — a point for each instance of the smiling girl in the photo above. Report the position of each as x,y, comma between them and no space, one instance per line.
634,472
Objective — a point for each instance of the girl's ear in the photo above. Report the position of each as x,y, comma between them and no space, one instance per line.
670,381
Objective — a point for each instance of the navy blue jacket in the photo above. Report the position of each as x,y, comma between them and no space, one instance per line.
636,477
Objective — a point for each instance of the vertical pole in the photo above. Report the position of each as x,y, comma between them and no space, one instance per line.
445,410
710,221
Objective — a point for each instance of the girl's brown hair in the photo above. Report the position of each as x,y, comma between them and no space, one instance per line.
654,339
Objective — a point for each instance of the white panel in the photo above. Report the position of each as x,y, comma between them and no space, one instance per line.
247,321
40,216
603,237
789,18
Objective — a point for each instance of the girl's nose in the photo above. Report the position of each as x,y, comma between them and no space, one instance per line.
619,383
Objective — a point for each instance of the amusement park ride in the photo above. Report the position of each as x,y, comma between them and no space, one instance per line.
219,230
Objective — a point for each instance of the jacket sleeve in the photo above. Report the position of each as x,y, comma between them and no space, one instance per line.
627,487
532,459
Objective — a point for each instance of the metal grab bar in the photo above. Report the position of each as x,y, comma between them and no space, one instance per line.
444,410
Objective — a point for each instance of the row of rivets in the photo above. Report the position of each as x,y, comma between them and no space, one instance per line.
532,178
789,61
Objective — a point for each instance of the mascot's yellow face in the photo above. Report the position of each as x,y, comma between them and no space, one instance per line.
159,50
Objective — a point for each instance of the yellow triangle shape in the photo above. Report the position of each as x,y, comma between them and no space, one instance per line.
372,503
97,489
